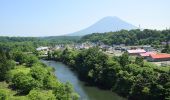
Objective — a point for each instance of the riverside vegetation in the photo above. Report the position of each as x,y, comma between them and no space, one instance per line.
133,79
30,79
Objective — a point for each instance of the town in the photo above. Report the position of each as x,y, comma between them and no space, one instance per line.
147,52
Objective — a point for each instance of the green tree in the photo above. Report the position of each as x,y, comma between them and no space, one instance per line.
109,74
5,64
41,95
90,64
24,83
49,55
124,83
65,92
31,60
5,67
19,57
124,59
166,48
139,61
4,95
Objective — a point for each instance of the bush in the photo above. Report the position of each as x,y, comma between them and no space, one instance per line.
24,83
5,67
41,95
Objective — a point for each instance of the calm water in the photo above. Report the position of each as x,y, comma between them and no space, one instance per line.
64,74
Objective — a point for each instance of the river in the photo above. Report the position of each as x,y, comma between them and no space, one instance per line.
65,74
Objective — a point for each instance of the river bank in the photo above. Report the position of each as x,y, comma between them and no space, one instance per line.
65,74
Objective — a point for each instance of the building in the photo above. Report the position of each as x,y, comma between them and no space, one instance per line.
43,50
159,57
146,54
136,52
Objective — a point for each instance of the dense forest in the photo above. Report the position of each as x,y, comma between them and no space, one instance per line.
24,77
28,44
133,79
132,37
62,39
57,39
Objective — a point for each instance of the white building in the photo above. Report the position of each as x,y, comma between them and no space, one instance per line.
43,50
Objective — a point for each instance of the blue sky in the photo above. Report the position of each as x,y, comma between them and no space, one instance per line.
57,17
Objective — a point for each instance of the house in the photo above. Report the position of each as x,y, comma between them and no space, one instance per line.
136,52
159,57
146,54
43,50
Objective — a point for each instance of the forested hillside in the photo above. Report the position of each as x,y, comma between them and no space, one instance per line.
132,37
28,44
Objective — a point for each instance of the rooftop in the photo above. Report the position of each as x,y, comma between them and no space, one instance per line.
160,55
136,51
146,54
41,48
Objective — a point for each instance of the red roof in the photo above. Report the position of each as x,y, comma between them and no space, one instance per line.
159,56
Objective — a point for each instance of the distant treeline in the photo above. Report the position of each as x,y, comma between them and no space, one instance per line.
17,39
132,37
62,38
50,39
29,44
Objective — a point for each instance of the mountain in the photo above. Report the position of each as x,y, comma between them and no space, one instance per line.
106,24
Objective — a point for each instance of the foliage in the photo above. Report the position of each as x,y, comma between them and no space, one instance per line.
139,61
4,94
124,59
19,69
136,80
65,92
24,83
30,80
166,49
6,64
24,58
41,95
132,37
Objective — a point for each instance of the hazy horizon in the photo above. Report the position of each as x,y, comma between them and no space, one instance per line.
54,17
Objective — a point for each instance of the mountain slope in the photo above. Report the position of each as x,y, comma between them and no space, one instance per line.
106,24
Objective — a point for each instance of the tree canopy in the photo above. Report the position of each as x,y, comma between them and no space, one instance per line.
133,79
132,37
